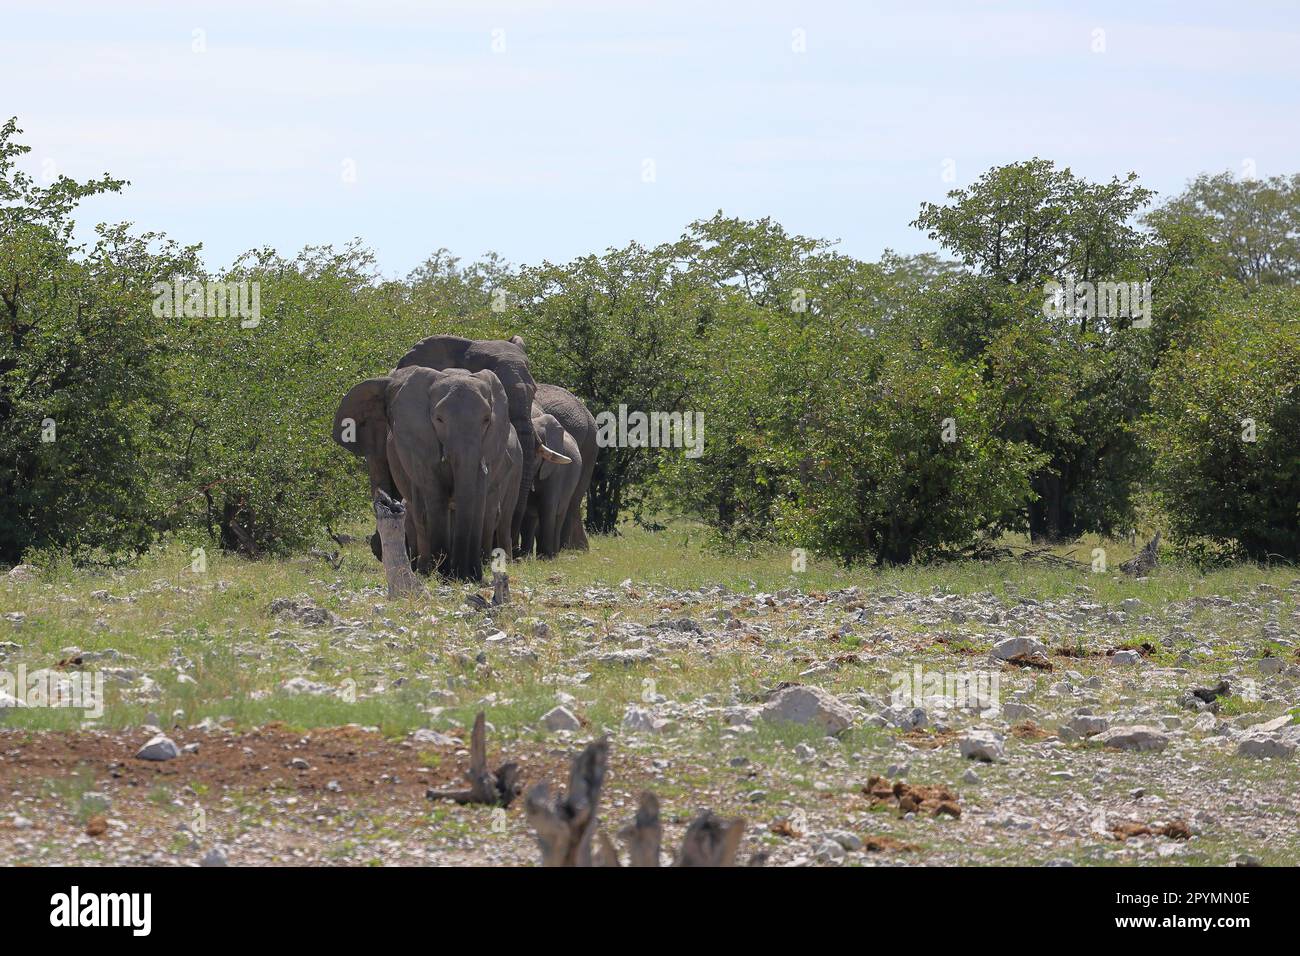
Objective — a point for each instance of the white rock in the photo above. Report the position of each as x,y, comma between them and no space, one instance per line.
1271,726
1263,745
9,700
23,572
301,685
1138,737
561,718
844,838
1125,658
214,857
159,747
982,745
809,706
830,852
425,735
1015,711
1013,647
640,720
1088,726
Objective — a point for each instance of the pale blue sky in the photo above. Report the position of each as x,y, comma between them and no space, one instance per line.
538,151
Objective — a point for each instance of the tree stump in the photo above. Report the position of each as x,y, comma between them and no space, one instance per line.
569,834
565,829
390,522
711,842
1145,560
495,789
500,588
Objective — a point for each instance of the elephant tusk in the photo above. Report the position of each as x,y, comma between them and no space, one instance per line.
551,454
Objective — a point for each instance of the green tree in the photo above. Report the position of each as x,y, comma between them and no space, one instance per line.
1225,428
1254,224
83,360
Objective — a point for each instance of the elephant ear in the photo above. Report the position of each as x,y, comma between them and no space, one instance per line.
361,422
500,408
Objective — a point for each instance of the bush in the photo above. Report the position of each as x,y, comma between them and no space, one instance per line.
1240,366
880,480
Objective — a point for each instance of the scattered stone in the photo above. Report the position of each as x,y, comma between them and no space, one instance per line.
640,720
1265,746
809,706
1018,650
561,718
1088,726
985,745
159,747
849,841
1137,738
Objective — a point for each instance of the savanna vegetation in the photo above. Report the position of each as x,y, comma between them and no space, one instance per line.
883,411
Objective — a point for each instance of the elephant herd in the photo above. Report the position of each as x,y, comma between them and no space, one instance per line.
483,456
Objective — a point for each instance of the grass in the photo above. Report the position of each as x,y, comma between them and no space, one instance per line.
213,650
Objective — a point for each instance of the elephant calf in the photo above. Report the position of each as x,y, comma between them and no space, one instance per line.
553,483
578,421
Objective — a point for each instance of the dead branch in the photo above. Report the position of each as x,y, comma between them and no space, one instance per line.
565,829
497,788
644,834
569,834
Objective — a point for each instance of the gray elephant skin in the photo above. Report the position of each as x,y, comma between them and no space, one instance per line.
554,482
443,438
508,361
580,424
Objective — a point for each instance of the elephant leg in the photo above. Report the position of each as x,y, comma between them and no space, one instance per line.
528,533
523,424
505,519
548,531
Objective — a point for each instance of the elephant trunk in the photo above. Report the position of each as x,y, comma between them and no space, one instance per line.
469,497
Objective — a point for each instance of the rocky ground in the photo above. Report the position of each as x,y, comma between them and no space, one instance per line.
1012,715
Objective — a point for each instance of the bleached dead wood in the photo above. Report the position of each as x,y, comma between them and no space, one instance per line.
390,522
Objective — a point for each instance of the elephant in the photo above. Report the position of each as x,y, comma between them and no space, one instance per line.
503,492
579,423
444,438
508,361
553,485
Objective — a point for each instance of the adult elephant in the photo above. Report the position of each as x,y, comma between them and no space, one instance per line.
578,421
442,436
509,363
553,485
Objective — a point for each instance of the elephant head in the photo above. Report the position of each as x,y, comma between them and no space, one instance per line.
441,435
509,363
556,476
